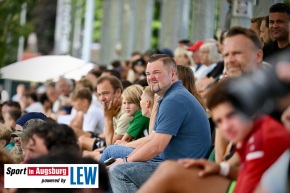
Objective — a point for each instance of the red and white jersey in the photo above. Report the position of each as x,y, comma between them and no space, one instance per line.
263,146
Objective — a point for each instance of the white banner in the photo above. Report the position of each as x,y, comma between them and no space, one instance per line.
51,176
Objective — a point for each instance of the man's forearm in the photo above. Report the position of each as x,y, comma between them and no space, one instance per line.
109,131
151,147
220,146
144,153
136,143
142,142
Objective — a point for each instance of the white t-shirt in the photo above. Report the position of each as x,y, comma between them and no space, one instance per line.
94,120
200,71
35,107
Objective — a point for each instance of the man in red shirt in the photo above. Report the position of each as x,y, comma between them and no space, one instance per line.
259,143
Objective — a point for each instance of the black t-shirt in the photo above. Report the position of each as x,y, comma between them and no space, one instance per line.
271,52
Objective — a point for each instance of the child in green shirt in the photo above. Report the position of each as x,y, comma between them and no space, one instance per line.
138,127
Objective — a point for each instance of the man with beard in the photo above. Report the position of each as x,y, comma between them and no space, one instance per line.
242,51
181,129
21,124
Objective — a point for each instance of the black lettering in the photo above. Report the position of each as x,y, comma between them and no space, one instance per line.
25,170
8,170
15,171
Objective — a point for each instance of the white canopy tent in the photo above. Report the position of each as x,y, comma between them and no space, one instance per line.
43,68
77,73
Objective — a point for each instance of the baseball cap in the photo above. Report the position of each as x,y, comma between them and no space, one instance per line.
28,116
27,126
195,46
27,122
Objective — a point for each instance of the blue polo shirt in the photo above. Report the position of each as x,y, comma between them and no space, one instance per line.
181,115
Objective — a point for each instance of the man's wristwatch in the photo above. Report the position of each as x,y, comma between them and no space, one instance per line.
125,159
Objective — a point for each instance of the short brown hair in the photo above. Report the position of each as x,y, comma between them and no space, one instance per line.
14,113
86,83
234,31
258,20
115,82
83,93
167,60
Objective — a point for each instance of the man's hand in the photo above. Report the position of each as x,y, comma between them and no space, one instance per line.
203,83
121,142
112,108
208,168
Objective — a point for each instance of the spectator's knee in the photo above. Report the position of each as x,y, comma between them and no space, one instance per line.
167,165
168,168
114,171
81,140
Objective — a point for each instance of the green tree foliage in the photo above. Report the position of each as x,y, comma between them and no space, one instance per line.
98,20
10,12
156,24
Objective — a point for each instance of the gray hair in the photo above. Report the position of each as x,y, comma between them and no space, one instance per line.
214,55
